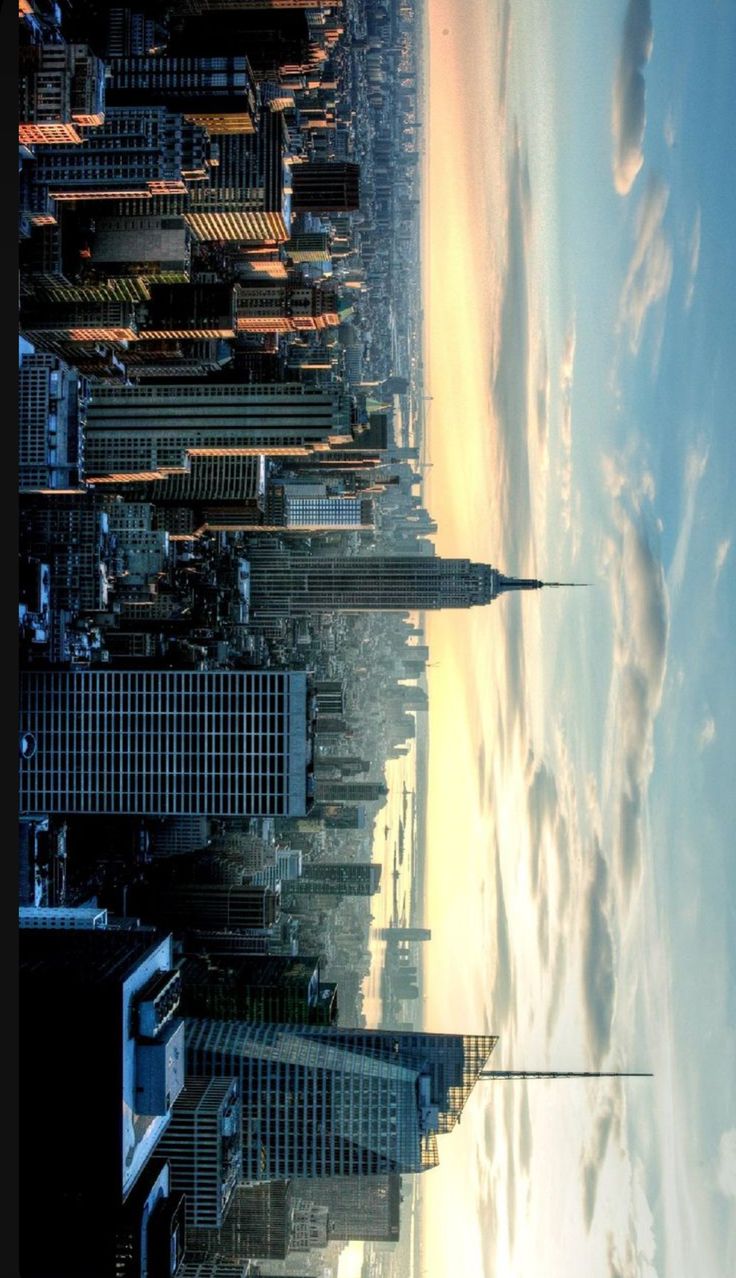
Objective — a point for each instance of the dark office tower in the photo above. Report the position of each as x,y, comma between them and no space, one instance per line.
327,791
321,1101
191,311
251,166
140,432
352,879
164,743
207,905
325,188
202,1145
61,89
218,93
273,988
52,403
141,246
136,152
363,1208
290,583
132,33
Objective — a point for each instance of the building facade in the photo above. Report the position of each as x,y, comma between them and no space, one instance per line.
322,1101
164,743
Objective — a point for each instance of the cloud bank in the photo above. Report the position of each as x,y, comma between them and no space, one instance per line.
628,117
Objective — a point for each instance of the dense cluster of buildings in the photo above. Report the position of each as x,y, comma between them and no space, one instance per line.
224,559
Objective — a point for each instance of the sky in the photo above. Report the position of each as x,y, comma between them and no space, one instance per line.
580,351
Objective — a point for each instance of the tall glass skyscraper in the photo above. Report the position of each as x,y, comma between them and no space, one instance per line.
164,742
323,1101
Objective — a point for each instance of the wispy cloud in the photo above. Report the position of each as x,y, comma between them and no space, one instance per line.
640,607
599,982
721,556
693,259
649,274
628,117
567,371
726,1168
707,733
696,463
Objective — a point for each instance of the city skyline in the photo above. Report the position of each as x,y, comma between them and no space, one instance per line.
326,309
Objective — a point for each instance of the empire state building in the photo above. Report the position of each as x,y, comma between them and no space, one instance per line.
287,583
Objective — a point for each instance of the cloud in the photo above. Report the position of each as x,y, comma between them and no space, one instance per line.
696,463
649,274
628,117
594,1156
567,369
707,733
669,128
726,1167
567,362
598,979
504,982
641,611
693,260
722,550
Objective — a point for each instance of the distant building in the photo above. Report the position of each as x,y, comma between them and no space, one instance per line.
325,188
275,989
331,879
206,905
326,791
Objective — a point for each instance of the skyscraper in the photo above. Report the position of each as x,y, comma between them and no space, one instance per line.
336,879
140,432
218,93
325,188
164,743
322,1101
285,582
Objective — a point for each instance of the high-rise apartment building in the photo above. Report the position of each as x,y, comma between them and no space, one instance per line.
322,1101
164,743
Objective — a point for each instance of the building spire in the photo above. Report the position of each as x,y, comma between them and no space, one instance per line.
522,1074
531,583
